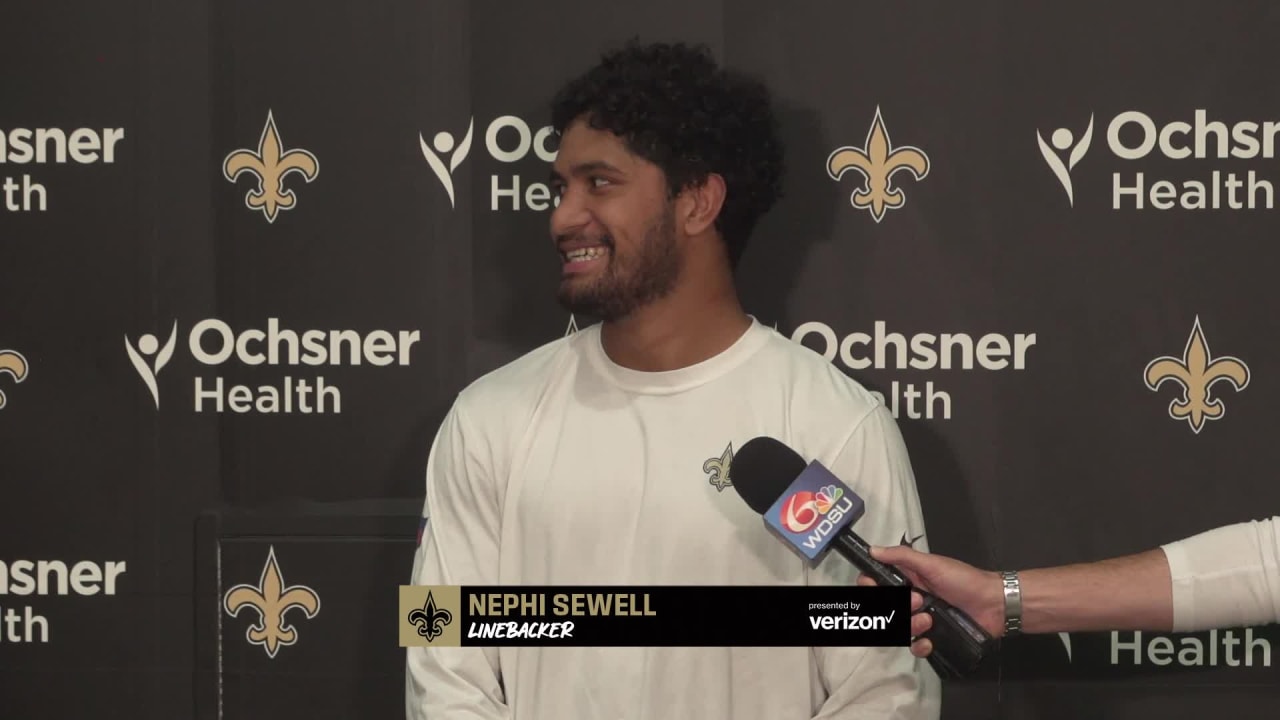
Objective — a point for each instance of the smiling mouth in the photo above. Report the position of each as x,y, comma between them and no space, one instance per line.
586,254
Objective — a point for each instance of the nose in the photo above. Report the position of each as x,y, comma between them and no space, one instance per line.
570,215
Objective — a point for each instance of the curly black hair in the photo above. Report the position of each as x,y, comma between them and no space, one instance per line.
674,106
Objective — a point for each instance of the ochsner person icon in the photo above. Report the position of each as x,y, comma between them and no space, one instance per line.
148,345
443,144
1062,139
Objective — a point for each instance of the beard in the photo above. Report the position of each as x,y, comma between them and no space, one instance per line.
628,282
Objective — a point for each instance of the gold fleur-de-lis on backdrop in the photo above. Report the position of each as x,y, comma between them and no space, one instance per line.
272,600
718,469
877,163
1196,371
430,619
270,166
14,364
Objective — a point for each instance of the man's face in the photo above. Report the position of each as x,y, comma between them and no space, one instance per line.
614,227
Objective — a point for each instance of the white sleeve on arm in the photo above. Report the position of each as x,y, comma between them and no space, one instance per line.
876,683
1226,577
459,547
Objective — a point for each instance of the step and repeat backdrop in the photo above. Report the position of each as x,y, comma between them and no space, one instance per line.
252,250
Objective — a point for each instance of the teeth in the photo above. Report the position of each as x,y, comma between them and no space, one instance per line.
584,254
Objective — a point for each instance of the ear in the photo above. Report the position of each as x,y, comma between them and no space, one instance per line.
700,205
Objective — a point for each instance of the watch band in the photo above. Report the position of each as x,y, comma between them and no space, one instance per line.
1012,602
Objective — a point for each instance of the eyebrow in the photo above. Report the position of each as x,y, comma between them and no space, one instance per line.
584,168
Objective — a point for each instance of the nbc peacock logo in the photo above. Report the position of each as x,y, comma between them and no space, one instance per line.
804,509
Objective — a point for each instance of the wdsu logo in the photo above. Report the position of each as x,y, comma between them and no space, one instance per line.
1220,157
881,349
214,343
508,140
812,510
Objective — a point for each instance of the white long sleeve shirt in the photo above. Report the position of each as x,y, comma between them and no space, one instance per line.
565,468
1226,577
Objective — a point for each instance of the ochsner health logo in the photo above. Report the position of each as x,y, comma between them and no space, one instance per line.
881,347
1063,141
215,343
40,146
443,144
508,139
1220,150
149,358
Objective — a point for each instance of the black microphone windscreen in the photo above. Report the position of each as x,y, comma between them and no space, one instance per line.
762,469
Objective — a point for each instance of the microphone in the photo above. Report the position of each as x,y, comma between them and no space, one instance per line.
813,512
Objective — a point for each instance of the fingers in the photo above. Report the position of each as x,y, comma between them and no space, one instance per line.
920,624
910,562
896,555
917,600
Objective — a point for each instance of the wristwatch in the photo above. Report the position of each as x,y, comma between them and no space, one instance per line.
1012,602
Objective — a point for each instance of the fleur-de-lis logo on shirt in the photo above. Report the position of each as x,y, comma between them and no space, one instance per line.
717,469
877,163
270,165
1196,371
430,620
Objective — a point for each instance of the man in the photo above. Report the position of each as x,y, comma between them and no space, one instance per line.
1225,577
605,457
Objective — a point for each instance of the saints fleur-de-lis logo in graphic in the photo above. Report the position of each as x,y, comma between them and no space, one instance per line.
272,601
13,364
270,165
429,619
877,163
717,469
1196,371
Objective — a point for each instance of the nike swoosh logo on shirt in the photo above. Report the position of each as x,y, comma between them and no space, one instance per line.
912,542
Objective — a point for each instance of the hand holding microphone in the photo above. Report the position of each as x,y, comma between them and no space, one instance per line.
968,587
768,475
